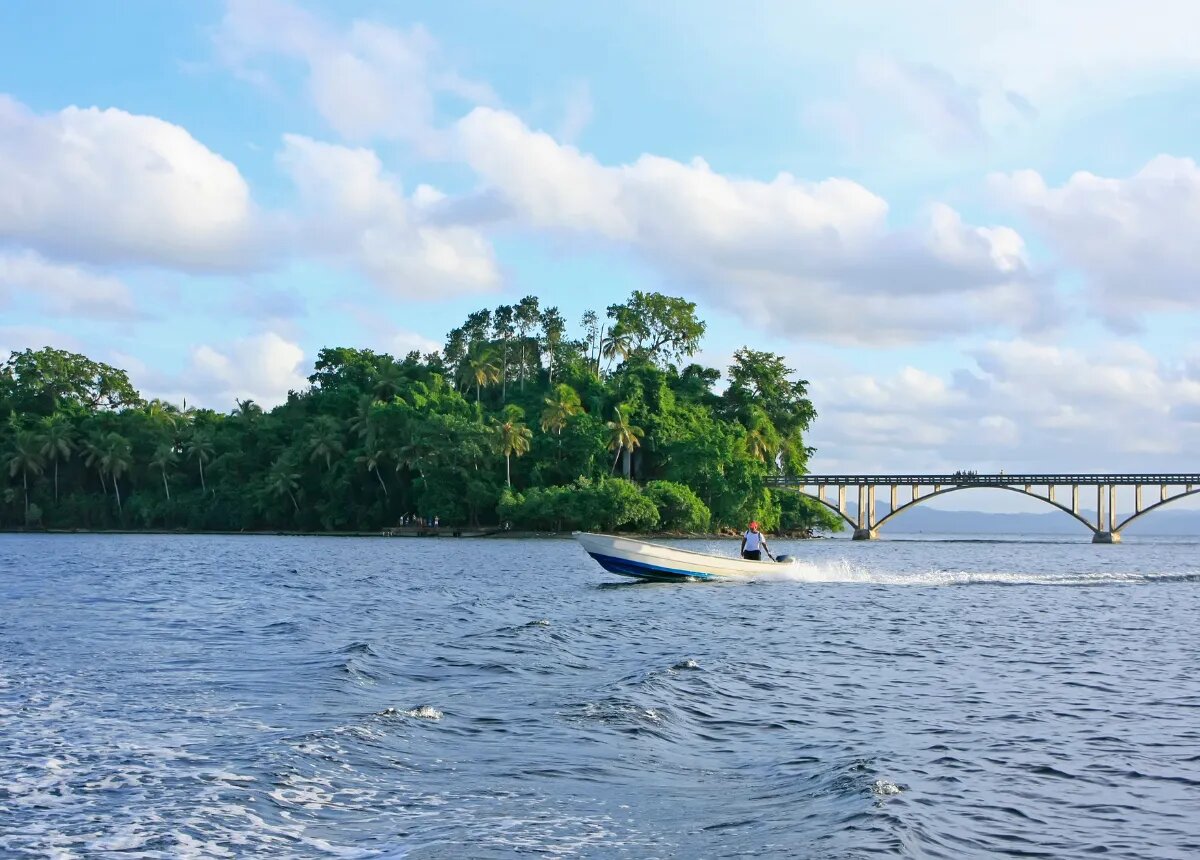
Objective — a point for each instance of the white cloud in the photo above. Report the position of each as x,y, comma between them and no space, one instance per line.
1055,52
401,343
1023,406
977,81
1135,239
64,289
368,81
109,186
262,368
354,211
910,391
812,259
18,338
1074,48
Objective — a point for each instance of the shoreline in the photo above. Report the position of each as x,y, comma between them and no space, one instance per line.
442,532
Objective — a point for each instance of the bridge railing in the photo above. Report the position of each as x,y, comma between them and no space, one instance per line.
1124,479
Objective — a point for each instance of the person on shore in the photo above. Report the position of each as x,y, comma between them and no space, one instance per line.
754,544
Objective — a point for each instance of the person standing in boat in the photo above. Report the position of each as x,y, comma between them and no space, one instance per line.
754,544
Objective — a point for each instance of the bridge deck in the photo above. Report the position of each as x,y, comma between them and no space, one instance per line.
987,480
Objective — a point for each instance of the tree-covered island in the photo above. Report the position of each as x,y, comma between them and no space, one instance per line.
516,421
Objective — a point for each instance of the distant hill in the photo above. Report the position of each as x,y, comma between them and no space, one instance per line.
932,520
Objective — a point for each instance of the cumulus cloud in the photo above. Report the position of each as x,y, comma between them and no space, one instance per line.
354,211
1021,405
108,186
368,81
813,259
64,289
18,338
262,368
1135,239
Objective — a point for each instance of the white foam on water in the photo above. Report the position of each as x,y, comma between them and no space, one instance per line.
425,712
883,787
123,841
231,777
845,571
304,792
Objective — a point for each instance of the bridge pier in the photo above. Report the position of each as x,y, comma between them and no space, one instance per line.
866,534
1106,537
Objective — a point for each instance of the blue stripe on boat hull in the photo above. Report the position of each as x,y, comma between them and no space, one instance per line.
640,570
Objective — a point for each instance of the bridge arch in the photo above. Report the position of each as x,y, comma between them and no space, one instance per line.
801,491
893,514
914,502
1157,504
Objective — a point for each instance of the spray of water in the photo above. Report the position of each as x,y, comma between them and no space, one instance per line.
845,571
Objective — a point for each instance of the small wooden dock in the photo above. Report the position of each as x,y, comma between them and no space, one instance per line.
437,531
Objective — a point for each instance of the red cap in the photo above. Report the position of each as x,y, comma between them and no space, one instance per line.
753,525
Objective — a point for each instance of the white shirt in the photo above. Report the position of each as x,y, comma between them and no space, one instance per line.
753,541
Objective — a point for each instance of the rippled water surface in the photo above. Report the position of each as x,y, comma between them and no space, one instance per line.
165,696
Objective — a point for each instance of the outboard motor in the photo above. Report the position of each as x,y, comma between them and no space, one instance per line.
783,559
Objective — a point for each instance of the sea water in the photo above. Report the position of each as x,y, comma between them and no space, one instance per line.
247,696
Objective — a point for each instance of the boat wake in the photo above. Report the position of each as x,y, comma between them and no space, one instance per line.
845,571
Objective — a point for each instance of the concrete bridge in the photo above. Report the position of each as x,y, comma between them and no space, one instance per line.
832,490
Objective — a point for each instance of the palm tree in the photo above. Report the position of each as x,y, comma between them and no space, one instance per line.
360,423
618,343
481,368
527,317
762,439
201,449
58,442
558,410
419,450
512,437
247,410
25,457
623,438
325,440
93,448
162,412
115,458
553,327
371,459
164,456
283,480
387,380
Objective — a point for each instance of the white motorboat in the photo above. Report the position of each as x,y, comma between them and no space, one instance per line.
644,560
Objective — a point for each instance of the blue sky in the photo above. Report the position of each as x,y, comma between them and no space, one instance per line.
972,227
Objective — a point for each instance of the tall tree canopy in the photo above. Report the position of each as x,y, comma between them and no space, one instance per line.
663,329
43,381
518,419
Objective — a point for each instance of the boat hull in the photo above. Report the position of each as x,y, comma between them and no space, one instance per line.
644,560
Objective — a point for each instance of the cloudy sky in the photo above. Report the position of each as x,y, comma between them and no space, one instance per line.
974,227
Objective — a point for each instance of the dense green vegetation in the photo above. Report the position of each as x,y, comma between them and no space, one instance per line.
515,421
